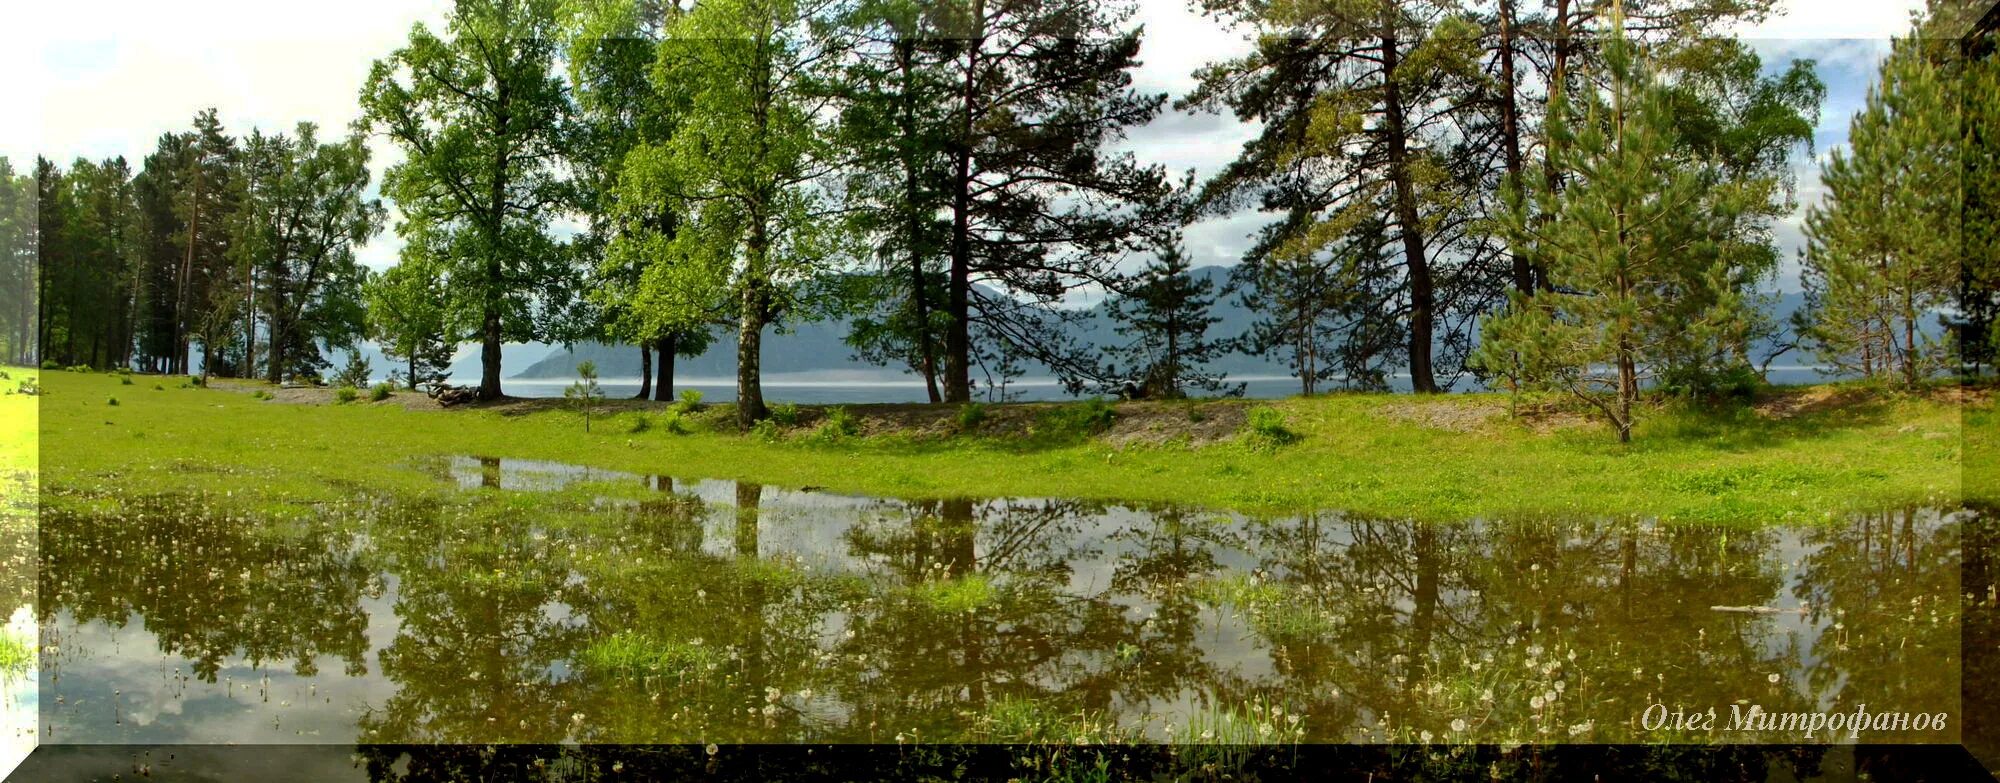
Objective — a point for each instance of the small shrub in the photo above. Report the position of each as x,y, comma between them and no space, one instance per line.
689,402
971,415
1197,416
80,368
838,424
346,394
1077,420
585,392
673,422
158,387
50,364
785,414
1267,428
766,431
113,402
641,424
356,373
125,380
196,380
380,392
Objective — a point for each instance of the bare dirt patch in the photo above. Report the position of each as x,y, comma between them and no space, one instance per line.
1455,414
322,395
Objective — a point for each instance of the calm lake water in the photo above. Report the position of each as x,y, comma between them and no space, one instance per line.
650,609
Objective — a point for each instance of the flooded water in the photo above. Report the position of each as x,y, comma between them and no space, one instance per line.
663,610
18,703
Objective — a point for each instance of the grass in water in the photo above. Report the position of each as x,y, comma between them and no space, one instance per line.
16,654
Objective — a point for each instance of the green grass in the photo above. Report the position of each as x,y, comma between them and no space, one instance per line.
18,418
16,654
1362,453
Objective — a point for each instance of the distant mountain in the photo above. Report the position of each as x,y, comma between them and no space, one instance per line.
820,348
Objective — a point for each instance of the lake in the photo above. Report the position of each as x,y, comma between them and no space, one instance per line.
529,602
837,388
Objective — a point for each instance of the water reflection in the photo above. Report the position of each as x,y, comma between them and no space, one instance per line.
732,613
18,558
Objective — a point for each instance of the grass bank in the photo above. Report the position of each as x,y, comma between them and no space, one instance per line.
1802,453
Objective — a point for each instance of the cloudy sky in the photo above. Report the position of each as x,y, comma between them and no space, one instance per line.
107,78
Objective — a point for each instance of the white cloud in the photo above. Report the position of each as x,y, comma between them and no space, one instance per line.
107,77
1824,19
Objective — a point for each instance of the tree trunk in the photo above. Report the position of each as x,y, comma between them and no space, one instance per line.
1416,264
275,361
1909,338
249,369
663,385
489,350
187,271
1628,389
1558,81
1510,130
958,337
645,371
913,225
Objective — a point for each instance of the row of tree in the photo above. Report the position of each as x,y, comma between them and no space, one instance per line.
1569,194
242,247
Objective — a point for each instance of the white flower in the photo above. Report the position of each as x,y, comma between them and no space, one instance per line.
1773,678
1535,703
1458,724
1426,736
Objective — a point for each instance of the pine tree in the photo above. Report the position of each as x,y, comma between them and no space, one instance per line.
1883,251
1358,103
1167,313
1316,309
1041,205
1642,223
896,92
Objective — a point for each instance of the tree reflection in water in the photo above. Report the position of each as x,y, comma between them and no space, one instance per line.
699,612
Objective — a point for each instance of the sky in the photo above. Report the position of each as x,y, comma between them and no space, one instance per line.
108,77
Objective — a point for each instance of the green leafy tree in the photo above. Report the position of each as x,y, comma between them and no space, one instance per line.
742,168
612,47
1883,252
18,282
302,211
409,315
1642,224
483,118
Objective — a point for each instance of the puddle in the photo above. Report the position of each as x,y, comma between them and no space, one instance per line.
734,613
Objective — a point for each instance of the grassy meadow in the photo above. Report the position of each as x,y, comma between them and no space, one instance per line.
19,427
1796,455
